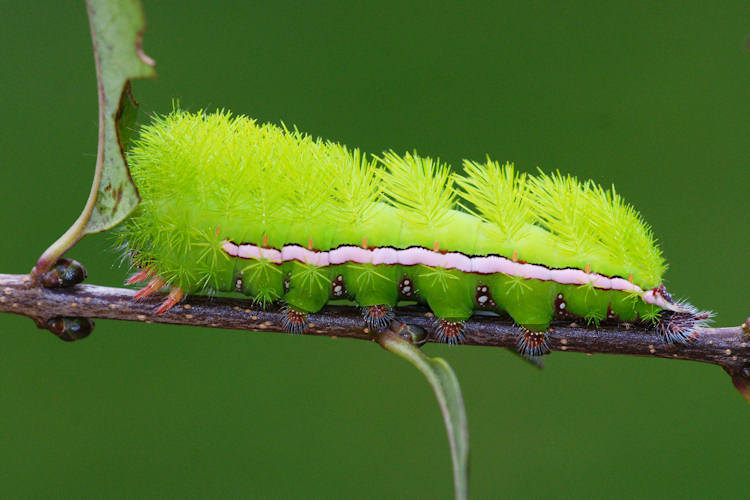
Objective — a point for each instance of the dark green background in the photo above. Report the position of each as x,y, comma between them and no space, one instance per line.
652,98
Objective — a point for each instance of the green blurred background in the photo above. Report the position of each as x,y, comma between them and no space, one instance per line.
652,98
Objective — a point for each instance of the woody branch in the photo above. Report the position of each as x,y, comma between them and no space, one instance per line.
727,347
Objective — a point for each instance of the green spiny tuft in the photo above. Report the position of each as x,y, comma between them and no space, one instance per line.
560,206
420,187
497,191
355,183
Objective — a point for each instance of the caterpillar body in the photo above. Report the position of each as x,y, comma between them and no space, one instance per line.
229,204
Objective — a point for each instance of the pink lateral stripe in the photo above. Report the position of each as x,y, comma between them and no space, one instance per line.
296,252
623,285
530,271
489,265
600,281
230,248
248,251
655,297
385,255
412,256
459,261
569,276
348,253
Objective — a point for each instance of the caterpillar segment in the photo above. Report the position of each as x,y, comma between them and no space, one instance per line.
230,205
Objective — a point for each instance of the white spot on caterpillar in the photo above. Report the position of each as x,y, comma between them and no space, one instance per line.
338,289
483,297
405,288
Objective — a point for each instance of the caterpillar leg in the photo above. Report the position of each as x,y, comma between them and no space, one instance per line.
449,332
452,309
154,285
295,321
532,344
378,317
174,297
141,275
175,294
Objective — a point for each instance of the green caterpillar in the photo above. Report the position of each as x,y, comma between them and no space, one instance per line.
232,205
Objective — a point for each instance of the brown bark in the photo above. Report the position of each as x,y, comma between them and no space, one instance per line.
727,347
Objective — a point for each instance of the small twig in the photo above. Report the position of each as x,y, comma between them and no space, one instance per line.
726,347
